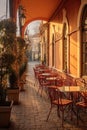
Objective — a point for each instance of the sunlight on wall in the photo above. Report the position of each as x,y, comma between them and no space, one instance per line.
56,30
73,56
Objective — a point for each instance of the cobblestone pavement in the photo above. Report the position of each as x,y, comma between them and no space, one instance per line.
32,111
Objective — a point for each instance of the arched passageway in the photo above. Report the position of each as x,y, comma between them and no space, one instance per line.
32,38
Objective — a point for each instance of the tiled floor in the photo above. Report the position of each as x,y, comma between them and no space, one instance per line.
32,111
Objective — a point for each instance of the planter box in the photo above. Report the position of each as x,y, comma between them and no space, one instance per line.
13,94
5,113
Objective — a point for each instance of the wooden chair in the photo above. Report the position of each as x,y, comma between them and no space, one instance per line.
81,105
36,74
42,83
59,81
80,82
57,99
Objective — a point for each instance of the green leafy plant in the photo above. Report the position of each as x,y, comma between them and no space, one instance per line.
13,79
22,69
7,56
12,52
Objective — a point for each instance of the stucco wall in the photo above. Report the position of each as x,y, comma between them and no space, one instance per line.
70,17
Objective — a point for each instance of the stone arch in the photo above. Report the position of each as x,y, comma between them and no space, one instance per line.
29,21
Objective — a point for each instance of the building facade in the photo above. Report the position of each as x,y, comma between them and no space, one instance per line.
68,38
66,41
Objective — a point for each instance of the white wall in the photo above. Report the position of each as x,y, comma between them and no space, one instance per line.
4,9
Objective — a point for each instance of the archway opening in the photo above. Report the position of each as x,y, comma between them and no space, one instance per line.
35,44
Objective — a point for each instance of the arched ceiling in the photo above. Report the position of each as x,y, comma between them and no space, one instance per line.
39,9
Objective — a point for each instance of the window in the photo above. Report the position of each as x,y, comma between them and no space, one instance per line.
84,42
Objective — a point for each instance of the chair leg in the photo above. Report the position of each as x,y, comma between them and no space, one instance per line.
38,90
49,113
41,91
71,111
62,117
77,116
58,111
35,82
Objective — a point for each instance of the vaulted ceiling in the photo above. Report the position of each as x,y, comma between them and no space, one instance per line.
39,9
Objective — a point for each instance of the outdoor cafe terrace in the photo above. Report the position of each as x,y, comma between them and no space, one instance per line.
50,101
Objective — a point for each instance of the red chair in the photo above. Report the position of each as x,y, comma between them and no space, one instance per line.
36,74
80,82
58,99
59,82
42,83
81,105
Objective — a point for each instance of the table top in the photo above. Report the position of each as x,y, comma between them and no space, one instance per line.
69,88
72,89
51,78
45,74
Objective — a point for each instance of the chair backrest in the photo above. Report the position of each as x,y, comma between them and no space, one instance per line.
53,94
67,82
36,73
59,82
56,96
84,96
41,79
80,82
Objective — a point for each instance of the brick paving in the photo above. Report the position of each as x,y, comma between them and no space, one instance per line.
32,111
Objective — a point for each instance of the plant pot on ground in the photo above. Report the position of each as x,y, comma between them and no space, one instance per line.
13,95
5,108
5,113
13,89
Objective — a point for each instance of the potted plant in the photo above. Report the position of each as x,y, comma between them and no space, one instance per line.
17,70
5,106
13,50
10,57
8,42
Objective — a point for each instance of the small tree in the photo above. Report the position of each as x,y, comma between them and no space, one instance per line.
7,57
12,50
21,59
